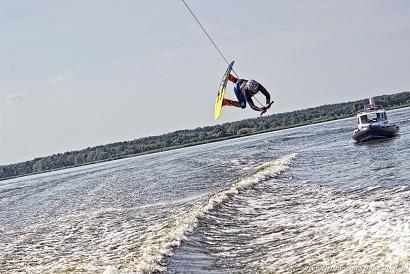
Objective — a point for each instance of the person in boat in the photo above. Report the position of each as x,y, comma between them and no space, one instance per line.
244,91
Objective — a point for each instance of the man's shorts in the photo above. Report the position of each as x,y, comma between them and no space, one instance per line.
239,95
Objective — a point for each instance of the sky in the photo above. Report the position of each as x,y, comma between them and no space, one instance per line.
81,73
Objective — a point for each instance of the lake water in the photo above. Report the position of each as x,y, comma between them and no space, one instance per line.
301,200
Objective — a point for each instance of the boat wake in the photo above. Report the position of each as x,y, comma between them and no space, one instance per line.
160,241
285,226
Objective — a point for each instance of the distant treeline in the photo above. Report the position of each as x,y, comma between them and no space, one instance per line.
199,135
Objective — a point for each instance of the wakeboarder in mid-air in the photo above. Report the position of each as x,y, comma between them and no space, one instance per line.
244,91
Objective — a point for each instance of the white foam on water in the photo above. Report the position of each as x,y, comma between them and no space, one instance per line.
160,242
88,242
111,270
324,230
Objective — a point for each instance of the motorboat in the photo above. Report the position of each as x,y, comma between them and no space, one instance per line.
372,124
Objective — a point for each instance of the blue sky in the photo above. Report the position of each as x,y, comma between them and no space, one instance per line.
75,74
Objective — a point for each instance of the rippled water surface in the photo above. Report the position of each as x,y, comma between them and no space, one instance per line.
301,200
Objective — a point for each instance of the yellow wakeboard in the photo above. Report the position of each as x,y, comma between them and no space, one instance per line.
221,92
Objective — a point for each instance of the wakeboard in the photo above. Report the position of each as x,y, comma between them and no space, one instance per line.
221,91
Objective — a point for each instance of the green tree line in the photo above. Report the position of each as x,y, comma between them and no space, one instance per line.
199,135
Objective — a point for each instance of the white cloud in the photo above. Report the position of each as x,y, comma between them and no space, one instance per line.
15,98
61,78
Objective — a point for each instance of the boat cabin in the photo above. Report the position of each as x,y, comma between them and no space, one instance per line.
371,115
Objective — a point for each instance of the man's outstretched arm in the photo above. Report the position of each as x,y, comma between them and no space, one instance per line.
263,90
252,104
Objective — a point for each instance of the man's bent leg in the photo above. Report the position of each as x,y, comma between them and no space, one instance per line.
228,102
232,78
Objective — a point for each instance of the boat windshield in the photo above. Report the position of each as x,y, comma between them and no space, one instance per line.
373,117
